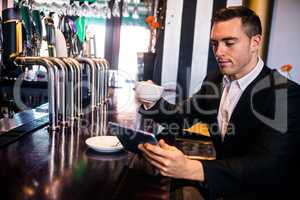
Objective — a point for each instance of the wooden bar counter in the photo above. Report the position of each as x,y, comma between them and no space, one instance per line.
43,165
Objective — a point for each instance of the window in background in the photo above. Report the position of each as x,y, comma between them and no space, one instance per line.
134,38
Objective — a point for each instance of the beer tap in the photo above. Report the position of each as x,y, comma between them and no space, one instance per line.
69,91
106,78
77,92
52,87
79,87
61,103
91,79
98,85
101,80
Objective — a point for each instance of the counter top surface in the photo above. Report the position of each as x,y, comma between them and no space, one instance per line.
44,165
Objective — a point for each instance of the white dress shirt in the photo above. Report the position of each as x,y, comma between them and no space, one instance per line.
232,91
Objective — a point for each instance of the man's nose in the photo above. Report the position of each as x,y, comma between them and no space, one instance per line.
219,50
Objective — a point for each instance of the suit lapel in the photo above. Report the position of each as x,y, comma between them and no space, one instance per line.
217,135
241,104
244,101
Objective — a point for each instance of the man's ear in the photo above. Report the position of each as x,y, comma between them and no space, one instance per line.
256,42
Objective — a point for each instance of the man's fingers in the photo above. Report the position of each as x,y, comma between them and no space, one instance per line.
155,149
154,163
163,144
150,81
141,147
141,99
151,155
166,146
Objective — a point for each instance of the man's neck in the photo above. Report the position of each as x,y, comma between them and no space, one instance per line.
246,69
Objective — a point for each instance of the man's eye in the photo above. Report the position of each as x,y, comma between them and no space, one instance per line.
214,44
229,44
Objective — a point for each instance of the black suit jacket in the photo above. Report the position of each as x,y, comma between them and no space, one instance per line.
258,157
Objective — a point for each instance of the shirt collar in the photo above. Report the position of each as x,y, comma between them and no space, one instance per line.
248,78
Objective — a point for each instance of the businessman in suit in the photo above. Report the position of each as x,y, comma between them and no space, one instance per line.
252,115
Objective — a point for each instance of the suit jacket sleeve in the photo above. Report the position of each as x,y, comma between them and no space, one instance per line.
269,171
186,113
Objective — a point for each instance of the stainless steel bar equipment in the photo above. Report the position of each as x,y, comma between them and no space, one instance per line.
52,87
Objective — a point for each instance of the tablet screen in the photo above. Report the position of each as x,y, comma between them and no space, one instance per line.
130,138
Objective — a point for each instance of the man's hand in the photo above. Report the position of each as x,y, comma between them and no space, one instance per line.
172,162
147,104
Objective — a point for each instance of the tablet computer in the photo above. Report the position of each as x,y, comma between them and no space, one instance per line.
130,138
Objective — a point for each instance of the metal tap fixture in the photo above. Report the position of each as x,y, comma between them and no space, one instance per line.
61,102
72,92
106,78
101,74
91,81
52,87
69,91
98,83
65,75
77,91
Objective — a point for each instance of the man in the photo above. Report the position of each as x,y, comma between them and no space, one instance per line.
256,115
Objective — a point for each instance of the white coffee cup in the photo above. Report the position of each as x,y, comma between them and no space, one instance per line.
148,92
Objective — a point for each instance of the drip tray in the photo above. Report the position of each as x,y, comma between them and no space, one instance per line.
22,123
22,118
15,134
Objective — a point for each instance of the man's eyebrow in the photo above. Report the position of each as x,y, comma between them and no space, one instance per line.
229,38
224,39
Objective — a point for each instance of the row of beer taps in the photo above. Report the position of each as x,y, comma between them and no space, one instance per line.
66,75
66,83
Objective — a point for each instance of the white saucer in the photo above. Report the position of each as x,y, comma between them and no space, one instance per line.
104,144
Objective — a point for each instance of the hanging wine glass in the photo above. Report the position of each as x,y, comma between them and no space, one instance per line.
100,11
45,8
74,8
95,12
135,13
108,14
35,6
116,9
68,10
63,10
54,6
136,2
125,11
106,11
24,3
103,12
85,9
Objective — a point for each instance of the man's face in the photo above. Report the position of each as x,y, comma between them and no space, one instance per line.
235,52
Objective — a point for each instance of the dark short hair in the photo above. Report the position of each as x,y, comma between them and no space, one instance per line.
249,18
